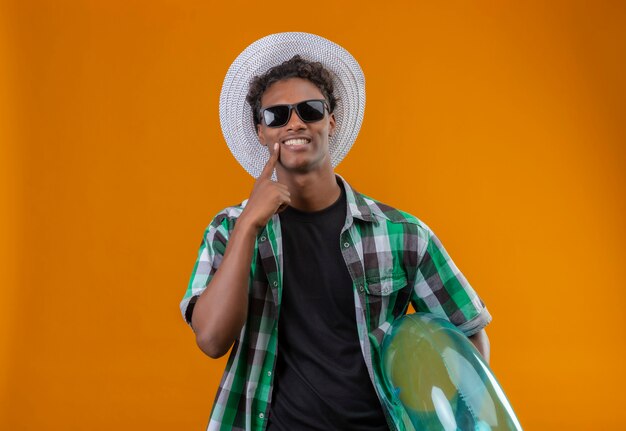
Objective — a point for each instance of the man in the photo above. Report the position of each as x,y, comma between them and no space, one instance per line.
303,279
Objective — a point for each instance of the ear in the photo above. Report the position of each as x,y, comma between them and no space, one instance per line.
331,124
260,134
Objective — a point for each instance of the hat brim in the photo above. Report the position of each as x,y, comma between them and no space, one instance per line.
236,115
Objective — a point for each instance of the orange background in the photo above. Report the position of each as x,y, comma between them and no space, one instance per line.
499,124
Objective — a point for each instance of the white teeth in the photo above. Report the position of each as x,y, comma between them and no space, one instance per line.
300,141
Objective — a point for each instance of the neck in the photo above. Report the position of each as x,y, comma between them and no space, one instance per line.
311,191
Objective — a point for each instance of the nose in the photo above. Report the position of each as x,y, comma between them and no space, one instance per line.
295,122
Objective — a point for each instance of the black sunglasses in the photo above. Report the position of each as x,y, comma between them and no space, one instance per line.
309,111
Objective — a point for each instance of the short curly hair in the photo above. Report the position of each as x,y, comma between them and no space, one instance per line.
295,67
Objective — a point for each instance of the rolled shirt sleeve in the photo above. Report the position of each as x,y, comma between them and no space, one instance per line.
209,259
441,289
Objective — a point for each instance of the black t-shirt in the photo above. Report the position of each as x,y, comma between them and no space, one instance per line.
321,381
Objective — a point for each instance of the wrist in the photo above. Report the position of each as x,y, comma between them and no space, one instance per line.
247,226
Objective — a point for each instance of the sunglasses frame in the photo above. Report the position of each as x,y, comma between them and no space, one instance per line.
293,107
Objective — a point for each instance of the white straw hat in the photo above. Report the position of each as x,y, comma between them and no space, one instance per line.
236,115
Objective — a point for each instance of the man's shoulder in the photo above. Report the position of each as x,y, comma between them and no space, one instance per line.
382,211
228,215
370,209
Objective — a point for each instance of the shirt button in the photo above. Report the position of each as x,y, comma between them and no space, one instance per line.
346,244
361,289
269,373
261,415
275,283
263,238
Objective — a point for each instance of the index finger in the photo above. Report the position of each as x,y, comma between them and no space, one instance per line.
271,163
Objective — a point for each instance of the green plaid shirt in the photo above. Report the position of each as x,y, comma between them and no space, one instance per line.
393,258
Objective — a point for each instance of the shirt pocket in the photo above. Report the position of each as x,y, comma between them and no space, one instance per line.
385,298
386,284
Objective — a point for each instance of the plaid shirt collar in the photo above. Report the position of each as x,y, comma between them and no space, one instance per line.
357,206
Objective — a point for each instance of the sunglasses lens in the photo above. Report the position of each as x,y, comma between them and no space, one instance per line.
276,116
311,110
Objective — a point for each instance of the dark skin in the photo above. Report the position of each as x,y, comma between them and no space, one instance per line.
299,152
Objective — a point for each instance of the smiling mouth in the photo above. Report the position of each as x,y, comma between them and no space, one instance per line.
297,141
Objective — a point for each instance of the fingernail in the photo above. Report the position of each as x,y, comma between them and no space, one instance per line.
275,146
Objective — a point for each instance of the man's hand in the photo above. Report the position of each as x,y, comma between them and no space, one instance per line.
268,197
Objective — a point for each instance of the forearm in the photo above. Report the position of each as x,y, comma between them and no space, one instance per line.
221,310
481,342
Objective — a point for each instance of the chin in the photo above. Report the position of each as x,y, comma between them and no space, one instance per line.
297,169
306,166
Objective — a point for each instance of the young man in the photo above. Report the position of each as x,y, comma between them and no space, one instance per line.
311,273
